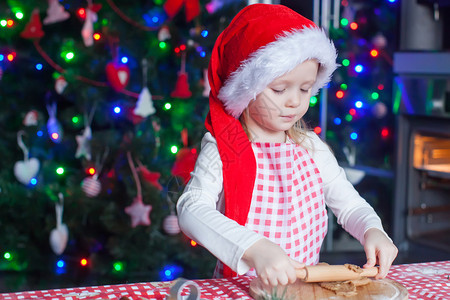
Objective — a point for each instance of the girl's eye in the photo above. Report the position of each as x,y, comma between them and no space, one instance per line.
304,90
278,91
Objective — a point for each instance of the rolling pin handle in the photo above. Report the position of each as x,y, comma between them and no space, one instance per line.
301,273
369,272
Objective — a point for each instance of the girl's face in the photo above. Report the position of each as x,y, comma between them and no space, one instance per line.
281,104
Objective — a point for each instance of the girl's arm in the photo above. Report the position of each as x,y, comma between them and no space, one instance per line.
354,214
199,211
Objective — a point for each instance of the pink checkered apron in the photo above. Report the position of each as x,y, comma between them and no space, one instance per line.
288,205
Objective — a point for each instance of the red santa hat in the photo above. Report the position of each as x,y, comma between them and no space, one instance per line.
262,43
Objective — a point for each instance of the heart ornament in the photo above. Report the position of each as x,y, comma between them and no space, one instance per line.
58,239
26,170
118,76
59,235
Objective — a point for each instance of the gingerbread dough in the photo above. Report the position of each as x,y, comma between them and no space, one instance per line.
346,288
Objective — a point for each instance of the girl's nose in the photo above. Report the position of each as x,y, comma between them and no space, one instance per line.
294,99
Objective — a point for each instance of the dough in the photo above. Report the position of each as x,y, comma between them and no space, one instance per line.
345,288
341,288
353,268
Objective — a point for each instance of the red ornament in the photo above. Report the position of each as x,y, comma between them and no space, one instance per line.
191,8
31,118
182,87
33,29
150,177
118,75
133,117
185,163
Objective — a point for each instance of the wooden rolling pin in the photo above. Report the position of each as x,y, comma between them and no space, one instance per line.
319,273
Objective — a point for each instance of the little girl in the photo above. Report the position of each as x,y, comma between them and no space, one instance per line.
258,194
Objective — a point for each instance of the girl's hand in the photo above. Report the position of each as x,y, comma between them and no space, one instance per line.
272,265
379,250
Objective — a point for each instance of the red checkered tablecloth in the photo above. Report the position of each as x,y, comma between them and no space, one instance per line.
423,281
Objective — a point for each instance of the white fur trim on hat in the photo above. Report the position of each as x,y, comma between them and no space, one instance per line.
274,60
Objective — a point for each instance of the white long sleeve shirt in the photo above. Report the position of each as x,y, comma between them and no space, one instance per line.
201,206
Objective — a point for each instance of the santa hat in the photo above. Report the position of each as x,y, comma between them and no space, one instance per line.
262,43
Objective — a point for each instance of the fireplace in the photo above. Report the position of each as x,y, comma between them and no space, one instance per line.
422,191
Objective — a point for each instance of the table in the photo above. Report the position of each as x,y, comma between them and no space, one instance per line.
422,280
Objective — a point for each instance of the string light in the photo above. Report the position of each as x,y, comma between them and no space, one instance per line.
10,23
384,132
344,86
359,104
117,109
7,256
375,95
167,106
91,171
33,181
39,133
83,262
124,59
3,23
183,47
75,119
352,111
11,56
97,36
204,33
380,87
68,56
54,136
344,22
193,243
337,121
60,171
19,15
38,67
118,266
162,45
353,135
354,25
170,272
81,13
339,94
60,263
359,68
374,53
348,117
313,101
345,62
2,57
60,267
174,149
317,130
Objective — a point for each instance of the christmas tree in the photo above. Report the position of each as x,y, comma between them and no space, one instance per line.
104,110
104,104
